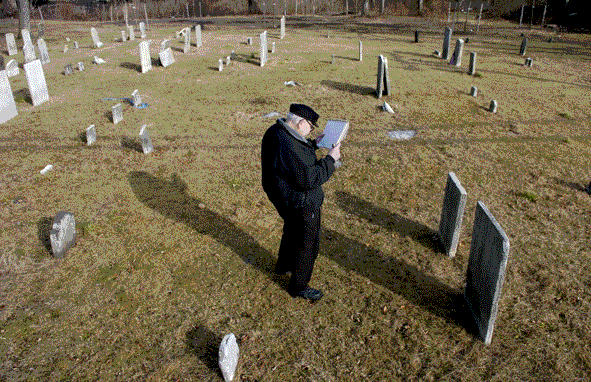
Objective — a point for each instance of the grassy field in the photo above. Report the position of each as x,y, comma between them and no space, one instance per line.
176,248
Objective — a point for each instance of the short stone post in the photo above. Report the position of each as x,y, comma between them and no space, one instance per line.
472,67
220,65
360,51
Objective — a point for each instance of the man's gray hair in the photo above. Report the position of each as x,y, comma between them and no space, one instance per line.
295,119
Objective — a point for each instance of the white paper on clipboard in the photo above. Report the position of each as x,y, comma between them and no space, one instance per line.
334,132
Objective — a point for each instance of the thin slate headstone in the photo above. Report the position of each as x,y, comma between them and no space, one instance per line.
360,51
90,135
146,140
36,82
123,36
383,79
452,214
11,44
249,41
29,52
12,68
523,47
472,66
446,43
68,70
416,36
142,30
63,233
131,33
474,91
456,58
7,104
166,57
232,55
489,253
282,28
493,106
81,66
95,38
220,65
198,41
117,113
26,37
145,58
43,53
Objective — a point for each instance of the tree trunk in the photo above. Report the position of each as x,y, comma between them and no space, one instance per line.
24,17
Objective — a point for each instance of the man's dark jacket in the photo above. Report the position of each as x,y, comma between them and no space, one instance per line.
292,176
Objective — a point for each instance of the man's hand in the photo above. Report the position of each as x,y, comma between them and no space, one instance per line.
335,152
318,139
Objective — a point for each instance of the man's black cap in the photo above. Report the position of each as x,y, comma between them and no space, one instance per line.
305,112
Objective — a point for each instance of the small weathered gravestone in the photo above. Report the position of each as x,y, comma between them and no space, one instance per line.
228,60
332,60
90,135
142,30
36,81
472,66
95,38
474,91
2,64
529,62
29,52
145,139
282,28
7,104
228,356
98,60
446,43
166,57
65,48
232,55
46,169
145,58
40,30
249,41
63,233
383,79
452,214
220,65
26,37
187,45
11,44
131,33
272,47
198,41
456,58
68,70
123,36
117,113
493,106
43,53
523,46
416,36
12,68
76,45
360,51
487,263
81,66
137,99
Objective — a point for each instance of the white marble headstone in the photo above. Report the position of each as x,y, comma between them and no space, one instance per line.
75,44
81,66
142,30
7,104
11,44
145,58
282,27
95,38
29,52
90,135
187,45
63,233
123,36
12,68
131,33
117,113
146,140
166,57
164,45
68,70
36,82
198,35
137,99
43,53
26,37
263,48
220,65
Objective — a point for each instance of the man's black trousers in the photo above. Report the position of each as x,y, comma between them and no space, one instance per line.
299,245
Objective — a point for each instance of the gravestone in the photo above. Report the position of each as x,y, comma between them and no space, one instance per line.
166,57
98,60
117,113
493,106
123,36
40,30
529,62
264,48
2,65
272,47
228,356
11,44
65,48
232,55
360,51
249,41
145,139
75,44
446,43
29,52
473,91
137,99
95,38
131,33
63,233
220,65
46,169
228,60
26,37
489,253
12,68
81,66
523,46
67,39
90,135
43,53
68,70
7,104
456,58
198,41
36,81
416,36
142,30
145,58
187,45
472,66
383,79
452,214
282,28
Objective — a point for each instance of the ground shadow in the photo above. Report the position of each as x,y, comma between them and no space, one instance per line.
246,58
168,198
131,144
213,68
569,184
131,65
175,49
347,58
204,344
420,233
355,89
155,61
44,226
82,137
108,115
22,95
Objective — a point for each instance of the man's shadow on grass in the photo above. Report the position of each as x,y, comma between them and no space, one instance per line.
204,344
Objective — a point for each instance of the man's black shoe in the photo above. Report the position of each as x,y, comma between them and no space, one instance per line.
310,294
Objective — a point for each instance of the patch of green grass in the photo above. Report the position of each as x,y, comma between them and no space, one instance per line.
566,115
527,195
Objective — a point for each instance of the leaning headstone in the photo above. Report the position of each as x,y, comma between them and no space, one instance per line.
29,52
487,263
452,214
123,36
187,45
383,79
523,47
7,104
75,44
68,70
43,53
473,91
142,30
26,37
446,43
249,41
493,106
166,57
131,33
117,113
220,65
36,82
145,58
198,41
360,51
137,99
95,38
472,66
456,58
81,66
12,68
63,233
146,141
228,356
282,27
11,44
90,135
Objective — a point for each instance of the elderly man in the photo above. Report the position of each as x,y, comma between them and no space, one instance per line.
292,179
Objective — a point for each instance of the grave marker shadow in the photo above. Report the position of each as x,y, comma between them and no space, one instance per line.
131,144
205,345
131,65
345,87
44,226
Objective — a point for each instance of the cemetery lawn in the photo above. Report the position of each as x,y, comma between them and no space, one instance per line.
176,248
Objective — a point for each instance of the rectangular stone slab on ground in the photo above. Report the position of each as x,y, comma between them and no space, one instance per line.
452,214
146,140
11,44
489,253
63,233
36,82
7,104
